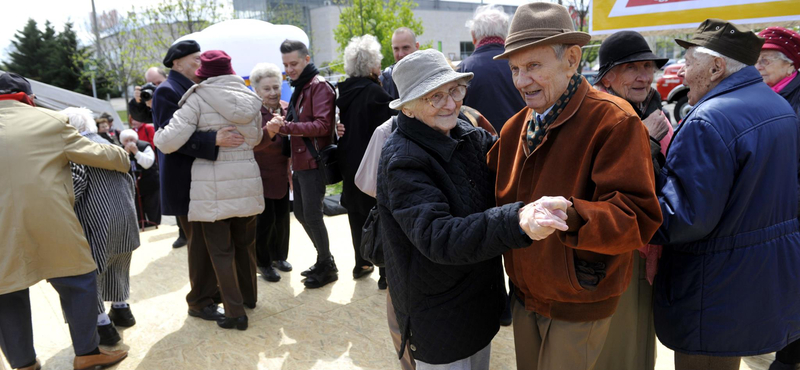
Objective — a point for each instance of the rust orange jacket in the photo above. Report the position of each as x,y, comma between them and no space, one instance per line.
597,155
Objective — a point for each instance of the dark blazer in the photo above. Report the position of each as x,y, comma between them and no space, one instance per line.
492,90
388,83
176,168
727,282
443,238
316,119
363,106
791,93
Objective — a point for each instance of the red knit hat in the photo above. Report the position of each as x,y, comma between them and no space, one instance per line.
214,63
783,40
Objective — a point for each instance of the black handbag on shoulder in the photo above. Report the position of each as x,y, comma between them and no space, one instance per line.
371,241
327,162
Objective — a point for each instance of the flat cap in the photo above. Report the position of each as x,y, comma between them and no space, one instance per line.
727,39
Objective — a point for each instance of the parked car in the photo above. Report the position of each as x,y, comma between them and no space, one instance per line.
673,91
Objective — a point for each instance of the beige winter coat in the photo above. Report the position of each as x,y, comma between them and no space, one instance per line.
40,236
231,185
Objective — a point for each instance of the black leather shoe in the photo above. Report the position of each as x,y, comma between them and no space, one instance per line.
180,242
269,274
360,271
109,335
325,273
122,317
382,283
309,271
777,365
240,323
282,265
210,313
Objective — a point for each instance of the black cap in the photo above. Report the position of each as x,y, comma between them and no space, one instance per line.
727,39
12,83
179,50
625,47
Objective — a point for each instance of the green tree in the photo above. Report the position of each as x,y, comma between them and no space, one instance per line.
374,17
26,55
132,42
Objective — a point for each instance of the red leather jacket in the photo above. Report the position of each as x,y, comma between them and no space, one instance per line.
316,115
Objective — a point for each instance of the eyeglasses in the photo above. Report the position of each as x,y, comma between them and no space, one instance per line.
765,61
439,99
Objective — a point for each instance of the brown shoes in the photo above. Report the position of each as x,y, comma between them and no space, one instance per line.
104,359
36,366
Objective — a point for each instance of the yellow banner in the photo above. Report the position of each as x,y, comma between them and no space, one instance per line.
609,16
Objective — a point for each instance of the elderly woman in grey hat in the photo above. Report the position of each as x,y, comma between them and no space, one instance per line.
442,236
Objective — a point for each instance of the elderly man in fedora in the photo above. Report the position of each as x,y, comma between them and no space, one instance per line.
576,143
727,284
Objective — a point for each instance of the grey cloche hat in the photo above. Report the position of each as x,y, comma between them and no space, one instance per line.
420,73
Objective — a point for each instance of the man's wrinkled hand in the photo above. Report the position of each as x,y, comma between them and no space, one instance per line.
137,93
229,137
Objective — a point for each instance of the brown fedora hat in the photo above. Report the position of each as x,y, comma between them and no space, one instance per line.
541,23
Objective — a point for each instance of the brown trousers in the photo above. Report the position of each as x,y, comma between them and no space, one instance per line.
631,341
407,362
702,362
202,279
231,245
542,343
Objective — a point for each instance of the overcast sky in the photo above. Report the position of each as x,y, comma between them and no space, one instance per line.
15,15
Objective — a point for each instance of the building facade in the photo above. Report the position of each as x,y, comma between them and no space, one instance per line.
444,23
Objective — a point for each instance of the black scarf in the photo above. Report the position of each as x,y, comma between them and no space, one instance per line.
308,73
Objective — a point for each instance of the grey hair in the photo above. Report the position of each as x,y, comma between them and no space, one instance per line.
80,118
262,71
405,30
731,65
489,20
362,55
128,133
784,58
559,49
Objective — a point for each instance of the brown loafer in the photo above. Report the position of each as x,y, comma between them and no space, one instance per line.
104,359
36,366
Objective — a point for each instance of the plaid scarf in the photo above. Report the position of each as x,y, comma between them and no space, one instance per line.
537,128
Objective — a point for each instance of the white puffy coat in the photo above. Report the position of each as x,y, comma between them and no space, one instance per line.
231,185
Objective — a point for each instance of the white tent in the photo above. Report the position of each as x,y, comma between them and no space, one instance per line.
56,98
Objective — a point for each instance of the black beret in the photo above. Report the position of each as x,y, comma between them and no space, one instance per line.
11,83
179,50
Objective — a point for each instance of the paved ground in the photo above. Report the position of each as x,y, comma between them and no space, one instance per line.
341,326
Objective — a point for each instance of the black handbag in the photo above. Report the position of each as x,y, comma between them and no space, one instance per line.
327,162
371,241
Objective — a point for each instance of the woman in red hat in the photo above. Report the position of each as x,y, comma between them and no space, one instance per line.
226,193
779,62
778,65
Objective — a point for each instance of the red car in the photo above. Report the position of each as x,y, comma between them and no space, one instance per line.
672,90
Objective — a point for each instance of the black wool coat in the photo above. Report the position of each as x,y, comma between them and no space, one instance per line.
443,238
363,106
792,94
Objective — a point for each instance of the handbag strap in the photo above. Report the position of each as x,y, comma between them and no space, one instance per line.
311,148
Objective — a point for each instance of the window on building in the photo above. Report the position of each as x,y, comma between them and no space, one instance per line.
467,48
